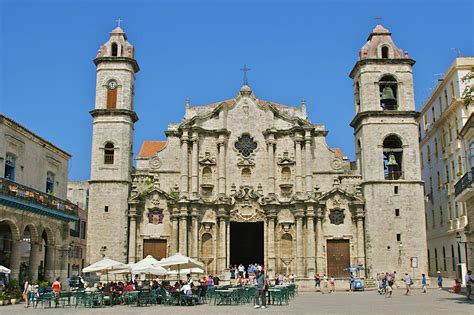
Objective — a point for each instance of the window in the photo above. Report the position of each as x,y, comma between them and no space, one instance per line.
397,212
109,152
459,166
357,96
440,104
388,92
112,94
453,258
456,124
433,221
399,237
438,180
436,147
436,259
114,50
285,174
453,170
428,153
443,140
446,98
429,260
456,209
431,184
106,209
450,210
10,163
49,182
83,230
463,208
433,117
444,259
422,159
245,145
385,52
392,157
446,170
453,95
425,121
450,131
395,190
441,215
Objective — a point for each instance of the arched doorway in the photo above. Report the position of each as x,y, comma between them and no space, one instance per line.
5,244
25,252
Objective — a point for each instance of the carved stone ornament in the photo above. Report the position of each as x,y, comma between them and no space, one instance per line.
336,216
246,194
336,164
246,162
245,144
207,159
247,213
155,215
285,159
155,163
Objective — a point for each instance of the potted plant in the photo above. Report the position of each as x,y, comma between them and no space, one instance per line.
16,295
3,297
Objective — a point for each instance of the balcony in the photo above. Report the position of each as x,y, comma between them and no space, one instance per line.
26,198
463,189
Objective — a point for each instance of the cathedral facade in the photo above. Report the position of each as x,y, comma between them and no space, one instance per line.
247,180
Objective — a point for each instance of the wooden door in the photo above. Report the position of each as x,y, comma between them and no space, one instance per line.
338,258
156,248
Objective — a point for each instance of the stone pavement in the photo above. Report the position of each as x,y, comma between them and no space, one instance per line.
361,303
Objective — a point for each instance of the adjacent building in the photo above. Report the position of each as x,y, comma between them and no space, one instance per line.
34,212
248,180
443,163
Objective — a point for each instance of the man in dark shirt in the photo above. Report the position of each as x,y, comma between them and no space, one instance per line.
260,301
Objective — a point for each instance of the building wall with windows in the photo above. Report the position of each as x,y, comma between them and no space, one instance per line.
442,163
78,193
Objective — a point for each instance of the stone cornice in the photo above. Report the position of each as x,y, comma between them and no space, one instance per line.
389,61
114,112
132,61
379,113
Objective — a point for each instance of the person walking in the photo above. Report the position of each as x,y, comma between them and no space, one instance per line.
260,301
469,280
332,283
57,291
423,282
440,280
408,283
317,281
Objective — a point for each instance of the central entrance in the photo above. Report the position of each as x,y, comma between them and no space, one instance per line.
246,243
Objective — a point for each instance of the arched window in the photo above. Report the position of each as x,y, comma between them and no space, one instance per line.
429,261
285,174
206,175
114,50
50,182
10,164
453,258
388,92
385,50
357,96
109,153
444,259
392,157
246,174
112,94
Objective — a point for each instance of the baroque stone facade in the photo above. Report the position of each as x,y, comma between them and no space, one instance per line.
247,166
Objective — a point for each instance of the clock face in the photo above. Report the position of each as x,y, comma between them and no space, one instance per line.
112,84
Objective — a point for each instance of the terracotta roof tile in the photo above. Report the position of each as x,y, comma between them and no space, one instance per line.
150,148
263,102
338,152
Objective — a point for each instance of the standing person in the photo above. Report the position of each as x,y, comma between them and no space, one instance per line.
57,291
469,280
408,283
332,283
317,281
351,282
260,301
440,280
26,292
423,282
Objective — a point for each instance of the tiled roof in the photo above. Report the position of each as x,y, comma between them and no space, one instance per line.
338,152
150,148
263,102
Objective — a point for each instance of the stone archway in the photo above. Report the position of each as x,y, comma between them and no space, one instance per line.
29,253
47,255
10,253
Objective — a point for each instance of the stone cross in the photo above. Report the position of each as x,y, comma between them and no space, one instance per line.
245,70
119,21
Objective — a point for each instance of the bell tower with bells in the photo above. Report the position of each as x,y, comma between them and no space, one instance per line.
112,148
387,154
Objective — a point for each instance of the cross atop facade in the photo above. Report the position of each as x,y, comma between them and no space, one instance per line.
378,17
119,21
245,70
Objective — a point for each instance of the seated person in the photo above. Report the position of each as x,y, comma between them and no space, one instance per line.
186,289
456,287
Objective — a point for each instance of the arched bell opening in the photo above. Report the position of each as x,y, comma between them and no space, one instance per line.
388,88
392,158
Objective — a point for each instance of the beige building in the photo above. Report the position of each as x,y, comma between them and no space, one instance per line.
464,191
78,194
34,213
442,163
248,180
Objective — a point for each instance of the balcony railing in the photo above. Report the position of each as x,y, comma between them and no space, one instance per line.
32,196
464,182
394,175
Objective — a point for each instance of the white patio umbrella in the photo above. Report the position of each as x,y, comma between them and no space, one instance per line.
105,265
4,270
185,271
179,261
148,265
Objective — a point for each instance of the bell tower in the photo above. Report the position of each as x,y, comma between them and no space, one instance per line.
387,154
112,149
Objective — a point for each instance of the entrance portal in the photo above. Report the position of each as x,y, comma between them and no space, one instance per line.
246,243
338,257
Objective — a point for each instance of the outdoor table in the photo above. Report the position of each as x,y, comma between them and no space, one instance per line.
224,296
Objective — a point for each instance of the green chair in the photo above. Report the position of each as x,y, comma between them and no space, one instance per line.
143,298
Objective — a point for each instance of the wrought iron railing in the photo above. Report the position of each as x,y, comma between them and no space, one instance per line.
464,182
33,196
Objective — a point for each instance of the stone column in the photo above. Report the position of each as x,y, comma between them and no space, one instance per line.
320,263
50,265
15,258
221,247
132,236
221,166
183,231
174,235
271,163
308,162
194,241
271,243
299,246
195,165
62,260
34,260
360,238
184,164
310,255
298,170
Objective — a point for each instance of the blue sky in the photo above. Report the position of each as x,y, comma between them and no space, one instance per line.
296,50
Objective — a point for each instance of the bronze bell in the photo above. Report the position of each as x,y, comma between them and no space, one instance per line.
391,160
387,98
